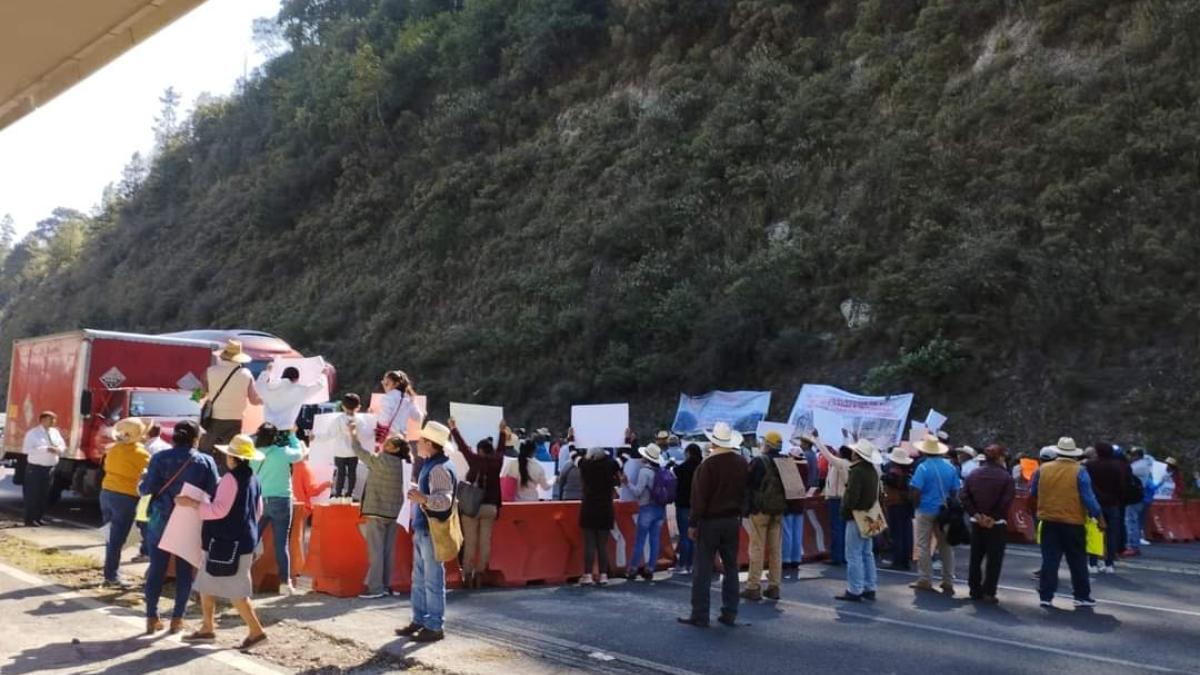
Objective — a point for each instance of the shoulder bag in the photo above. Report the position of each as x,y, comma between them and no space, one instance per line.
470,496
872,521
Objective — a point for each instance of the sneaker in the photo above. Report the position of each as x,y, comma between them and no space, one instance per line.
647,574
1145,542
868,595
427,635
410,630
1094,569
585,580
849,597
1085,602
139,559
288,589
603,580
370,596
1110,569
1046,604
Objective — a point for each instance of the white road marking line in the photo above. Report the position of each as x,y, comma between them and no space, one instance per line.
1118,603
231,659
837,611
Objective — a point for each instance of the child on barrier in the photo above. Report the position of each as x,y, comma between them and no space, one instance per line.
345,464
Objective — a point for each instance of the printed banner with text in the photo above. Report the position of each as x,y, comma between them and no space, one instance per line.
881,419
743,410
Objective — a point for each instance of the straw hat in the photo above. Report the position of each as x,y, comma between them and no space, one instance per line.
723,436
242,447
866,449
930,446
773,439
1171,461
899,456
1066,447
129,429
652,453
233,352
662,436
436,433
967,450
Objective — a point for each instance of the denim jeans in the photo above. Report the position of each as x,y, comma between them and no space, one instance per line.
1058,540
860,561
1112,535
686,545
278,512
649,526
837,530
184,575
118,511
793,538
428,583
716,537
1133,525
36,491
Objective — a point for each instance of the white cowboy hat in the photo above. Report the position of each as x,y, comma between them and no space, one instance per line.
866,449
242,447
967,450
899,456
233,352
652,453
1066,447
723,436
930,446
436,433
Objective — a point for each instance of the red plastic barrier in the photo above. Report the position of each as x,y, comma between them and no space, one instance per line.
337,553
1021,526
625,514
1192,509
1168,521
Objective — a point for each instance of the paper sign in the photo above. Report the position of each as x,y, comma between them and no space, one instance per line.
829,427
786,431
312,369
1028,466
917,433
477,422
600,426
793,483
405,515
414,427
934,420
182,534
1158,472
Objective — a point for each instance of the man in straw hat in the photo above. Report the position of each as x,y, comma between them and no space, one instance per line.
718,496
862,493
434,495
987,496
768,503
1061,495
228,391
934,481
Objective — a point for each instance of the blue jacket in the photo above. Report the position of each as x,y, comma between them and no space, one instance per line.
200,471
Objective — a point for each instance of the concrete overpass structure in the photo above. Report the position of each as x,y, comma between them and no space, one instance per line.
46,46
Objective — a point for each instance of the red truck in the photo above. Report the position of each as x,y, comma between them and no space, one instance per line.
91,379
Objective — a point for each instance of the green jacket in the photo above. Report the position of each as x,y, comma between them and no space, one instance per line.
862,489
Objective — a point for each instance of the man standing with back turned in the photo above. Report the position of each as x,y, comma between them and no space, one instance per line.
718,495
1061,495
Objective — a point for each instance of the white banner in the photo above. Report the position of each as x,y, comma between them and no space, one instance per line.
600,426
829,410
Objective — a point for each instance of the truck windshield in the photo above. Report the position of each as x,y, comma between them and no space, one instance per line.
163,404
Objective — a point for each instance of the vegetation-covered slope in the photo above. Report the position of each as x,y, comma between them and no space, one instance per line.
540,202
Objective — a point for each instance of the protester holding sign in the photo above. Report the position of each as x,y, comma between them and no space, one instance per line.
484,466
283,398
835,486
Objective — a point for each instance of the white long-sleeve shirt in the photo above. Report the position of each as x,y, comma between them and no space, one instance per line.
337,435
282,400
42,446
397,420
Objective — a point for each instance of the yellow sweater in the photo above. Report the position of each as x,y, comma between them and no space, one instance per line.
123,467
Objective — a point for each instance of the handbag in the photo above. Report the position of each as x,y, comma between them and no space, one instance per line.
470,499
1095,538
206,410
222,558
446,534
382,430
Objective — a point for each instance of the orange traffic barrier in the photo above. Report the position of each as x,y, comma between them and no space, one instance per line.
1021,528
264,573
1167,521
625,514
337,553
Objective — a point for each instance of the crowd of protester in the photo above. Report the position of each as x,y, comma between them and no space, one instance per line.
916,500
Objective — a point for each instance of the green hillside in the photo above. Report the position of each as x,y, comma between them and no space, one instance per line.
540,202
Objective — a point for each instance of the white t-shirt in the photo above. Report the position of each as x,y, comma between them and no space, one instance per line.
282,400
231,404
397,421
38,442
337,434
537,478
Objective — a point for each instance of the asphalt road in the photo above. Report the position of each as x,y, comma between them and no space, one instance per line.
1148,619
69,507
